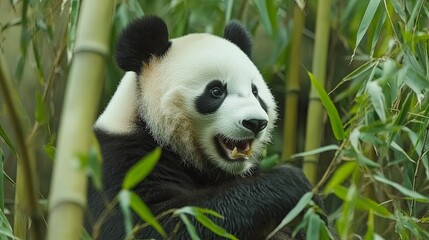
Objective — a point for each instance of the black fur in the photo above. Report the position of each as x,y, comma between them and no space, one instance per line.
140,41
236,33
252,206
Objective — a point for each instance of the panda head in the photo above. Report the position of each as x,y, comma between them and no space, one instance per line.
200,95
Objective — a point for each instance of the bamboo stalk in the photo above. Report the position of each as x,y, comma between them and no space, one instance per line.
315,114
69,181
293,87
26,197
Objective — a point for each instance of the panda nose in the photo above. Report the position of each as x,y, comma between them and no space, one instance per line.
255,125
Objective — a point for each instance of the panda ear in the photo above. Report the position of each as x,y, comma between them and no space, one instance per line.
236,33
140,41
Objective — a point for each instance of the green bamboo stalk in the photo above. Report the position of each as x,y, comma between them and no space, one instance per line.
69,182
293,87
315,114
26,198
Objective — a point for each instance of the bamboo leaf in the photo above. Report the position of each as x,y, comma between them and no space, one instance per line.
39,67
410,193
303,223
360,70
144,212
19,68
325,234
41,113
208,211
85,235
270,161
136,7
189,227
11,23
301,4
417,82
403,111
124,202
208,223
313,228
363,203
398,148
369,235
340,175
377,32
366,21
141,169
229,6
261,5
7,140
303,202
399,9
334,117
94,167
377,99
198,213
366,161
331,147
50,150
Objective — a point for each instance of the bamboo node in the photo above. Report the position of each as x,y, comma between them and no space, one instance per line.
92,47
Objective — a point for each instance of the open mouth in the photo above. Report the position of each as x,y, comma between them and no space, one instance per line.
234,149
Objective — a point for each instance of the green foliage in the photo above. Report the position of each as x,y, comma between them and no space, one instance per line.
127,200
130,200
200,215
334,117
140,170
5,228
303,202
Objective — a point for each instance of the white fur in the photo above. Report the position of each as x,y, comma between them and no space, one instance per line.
119,115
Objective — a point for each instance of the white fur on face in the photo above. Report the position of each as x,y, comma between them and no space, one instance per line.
170,85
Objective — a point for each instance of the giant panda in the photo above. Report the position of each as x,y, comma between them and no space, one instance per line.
201,98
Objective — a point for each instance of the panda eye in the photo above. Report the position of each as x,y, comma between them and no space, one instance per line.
216,92
255,91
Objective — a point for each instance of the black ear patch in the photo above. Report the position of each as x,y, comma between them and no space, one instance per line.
236,33
140,41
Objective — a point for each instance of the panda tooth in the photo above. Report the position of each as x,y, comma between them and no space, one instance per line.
249,152
234,152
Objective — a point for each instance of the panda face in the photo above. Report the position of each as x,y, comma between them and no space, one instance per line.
206,100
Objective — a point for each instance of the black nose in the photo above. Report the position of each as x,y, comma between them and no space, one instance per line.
255,125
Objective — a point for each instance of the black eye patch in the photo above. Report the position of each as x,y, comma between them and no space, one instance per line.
212,98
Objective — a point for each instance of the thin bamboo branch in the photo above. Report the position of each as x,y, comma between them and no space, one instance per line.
26,206
315,109
69,181
49,83
293,87
416,172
